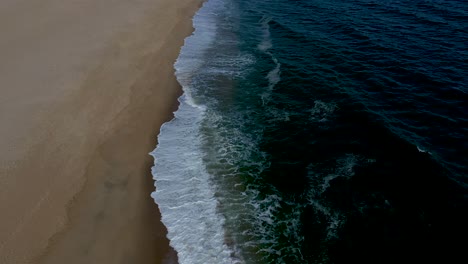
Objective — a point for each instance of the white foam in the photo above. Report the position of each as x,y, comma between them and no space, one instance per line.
186,200
322,111
183,190
423,150
319,183
273,76
265,44
334,218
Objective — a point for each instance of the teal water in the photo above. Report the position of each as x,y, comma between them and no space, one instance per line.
318,132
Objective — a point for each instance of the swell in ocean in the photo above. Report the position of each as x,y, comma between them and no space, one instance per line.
318,132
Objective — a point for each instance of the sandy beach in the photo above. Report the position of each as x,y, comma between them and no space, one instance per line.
84,87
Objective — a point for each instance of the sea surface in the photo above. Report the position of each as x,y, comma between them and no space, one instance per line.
319,131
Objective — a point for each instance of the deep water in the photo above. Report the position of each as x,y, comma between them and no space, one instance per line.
316,131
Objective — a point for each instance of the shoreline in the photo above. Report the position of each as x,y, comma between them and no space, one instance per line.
84,103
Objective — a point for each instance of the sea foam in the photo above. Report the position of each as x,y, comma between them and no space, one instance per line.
183,192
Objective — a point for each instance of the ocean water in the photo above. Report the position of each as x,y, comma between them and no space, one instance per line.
319,131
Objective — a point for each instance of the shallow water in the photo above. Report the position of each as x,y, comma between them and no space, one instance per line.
318,132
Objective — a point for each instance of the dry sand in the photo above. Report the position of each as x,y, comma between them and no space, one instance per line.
84,88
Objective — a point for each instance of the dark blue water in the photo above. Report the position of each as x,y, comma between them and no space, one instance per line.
326,132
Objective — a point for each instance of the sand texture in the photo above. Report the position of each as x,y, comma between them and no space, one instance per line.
84,88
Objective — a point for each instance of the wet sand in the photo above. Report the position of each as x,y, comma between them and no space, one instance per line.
84,87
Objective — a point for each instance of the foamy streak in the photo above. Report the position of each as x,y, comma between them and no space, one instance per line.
184,194
274,76
320,183
321,111
423,150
